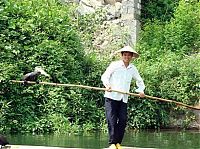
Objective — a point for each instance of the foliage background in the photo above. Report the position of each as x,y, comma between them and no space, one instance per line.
53,36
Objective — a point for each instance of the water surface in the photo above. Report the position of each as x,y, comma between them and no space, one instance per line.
144,139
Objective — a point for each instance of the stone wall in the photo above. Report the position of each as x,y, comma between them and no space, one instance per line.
131,10
120,27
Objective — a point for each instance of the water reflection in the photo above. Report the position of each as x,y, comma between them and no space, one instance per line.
144,139
164,139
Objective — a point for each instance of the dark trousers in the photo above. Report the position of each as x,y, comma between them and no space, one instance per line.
116,116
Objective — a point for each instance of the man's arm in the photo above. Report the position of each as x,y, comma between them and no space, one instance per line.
105,78
139,83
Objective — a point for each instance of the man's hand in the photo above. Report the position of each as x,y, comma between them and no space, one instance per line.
108,88
142,95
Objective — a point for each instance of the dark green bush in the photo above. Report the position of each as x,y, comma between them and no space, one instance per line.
183,32
162,10
45,35
169,64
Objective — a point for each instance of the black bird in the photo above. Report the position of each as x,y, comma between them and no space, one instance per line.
3,141
33,76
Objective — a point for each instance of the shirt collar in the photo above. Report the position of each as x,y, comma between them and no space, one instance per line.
122,64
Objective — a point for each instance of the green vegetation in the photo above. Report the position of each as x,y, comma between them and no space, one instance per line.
46,35
53,36
161,10
170,65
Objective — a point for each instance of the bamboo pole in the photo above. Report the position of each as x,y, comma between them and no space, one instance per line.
104,89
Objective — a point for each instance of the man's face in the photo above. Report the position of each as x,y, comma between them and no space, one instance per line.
127,56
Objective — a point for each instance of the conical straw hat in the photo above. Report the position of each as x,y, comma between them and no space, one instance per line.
128,49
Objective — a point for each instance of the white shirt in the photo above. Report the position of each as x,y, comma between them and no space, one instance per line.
119,77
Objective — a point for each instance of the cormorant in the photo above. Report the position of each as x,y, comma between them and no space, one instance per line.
33,76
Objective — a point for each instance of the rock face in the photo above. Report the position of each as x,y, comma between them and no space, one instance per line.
131,10
88,6
190,120
196,123
121,24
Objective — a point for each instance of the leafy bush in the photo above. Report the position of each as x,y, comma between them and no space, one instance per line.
44,35
183,32
162,10
169,64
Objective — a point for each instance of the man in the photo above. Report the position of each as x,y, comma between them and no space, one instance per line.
118,76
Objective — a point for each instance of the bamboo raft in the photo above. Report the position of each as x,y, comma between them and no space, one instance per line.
47,147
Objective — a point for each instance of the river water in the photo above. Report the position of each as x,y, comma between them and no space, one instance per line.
142,139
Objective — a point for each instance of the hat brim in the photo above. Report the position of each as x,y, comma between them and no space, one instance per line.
128,49
136,55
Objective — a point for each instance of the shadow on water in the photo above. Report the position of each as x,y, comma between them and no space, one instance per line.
143,139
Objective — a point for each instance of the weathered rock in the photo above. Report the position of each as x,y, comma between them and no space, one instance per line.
88,6
111,2
120,27
114,11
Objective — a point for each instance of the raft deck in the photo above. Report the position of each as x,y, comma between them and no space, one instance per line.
47,147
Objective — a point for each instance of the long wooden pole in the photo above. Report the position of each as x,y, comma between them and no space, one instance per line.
104,89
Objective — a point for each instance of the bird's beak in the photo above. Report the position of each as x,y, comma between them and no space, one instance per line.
44,73
39,69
